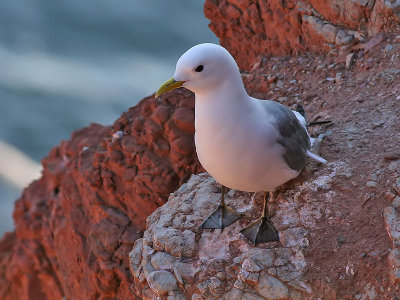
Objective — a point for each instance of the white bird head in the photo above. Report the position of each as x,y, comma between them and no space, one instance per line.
203,68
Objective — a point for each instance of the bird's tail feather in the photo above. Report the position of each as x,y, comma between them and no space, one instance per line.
316,157
301,116
302,112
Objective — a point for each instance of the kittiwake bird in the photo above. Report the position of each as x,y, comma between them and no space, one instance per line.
245,143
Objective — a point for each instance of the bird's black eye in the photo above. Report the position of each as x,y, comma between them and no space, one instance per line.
199,68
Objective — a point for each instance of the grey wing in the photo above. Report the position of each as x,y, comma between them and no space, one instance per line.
293,136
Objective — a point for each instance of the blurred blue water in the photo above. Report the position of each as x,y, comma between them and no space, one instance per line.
67,63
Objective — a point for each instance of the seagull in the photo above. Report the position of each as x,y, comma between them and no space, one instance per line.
244,143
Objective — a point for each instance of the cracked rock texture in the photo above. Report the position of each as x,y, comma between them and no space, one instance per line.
76,225
392,225
203,264
335,242
278,27
339,223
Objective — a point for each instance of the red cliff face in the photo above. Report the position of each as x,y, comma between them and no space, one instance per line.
76,225
253,29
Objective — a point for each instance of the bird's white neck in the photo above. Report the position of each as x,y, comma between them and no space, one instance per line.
230,89
225,102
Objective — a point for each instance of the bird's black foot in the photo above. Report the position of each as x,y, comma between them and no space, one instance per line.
260,231
221,218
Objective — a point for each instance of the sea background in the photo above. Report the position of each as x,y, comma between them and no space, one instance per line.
65,64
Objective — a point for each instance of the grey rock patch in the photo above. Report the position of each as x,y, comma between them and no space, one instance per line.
396,202
250,265
294,237
350,58
177,259
272,288
394,263
162,282
392,224
371,184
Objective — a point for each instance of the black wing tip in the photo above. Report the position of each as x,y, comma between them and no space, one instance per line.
300,110
319,123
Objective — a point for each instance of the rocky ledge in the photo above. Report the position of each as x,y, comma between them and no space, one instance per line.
335,244
176,258
76,225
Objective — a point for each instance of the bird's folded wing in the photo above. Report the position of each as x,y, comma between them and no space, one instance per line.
293,136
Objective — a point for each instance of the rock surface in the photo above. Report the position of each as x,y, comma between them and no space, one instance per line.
290,27
216,265
335,244
392,224
76,225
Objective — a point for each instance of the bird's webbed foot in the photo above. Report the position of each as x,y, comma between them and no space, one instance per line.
222,217
261,230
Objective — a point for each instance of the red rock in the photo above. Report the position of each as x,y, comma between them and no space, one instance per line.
161,114
130,173
286,27
75,226
161,147
233,12
183,145
184,119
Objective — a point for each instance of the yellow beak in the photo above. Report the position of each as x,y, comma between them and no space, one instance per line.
169,85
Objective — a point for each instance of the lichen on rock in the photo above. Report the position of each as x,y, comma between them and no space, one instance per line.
211,264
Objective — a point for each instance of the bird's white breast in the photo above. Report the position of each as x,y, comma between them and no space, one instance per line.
236,144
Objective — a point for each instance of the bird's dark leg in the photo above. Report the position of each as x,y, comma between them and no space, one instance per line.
261,230
222,217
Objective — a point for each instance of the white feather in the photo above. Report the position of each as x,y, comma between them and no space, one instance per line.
316,157
303,122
